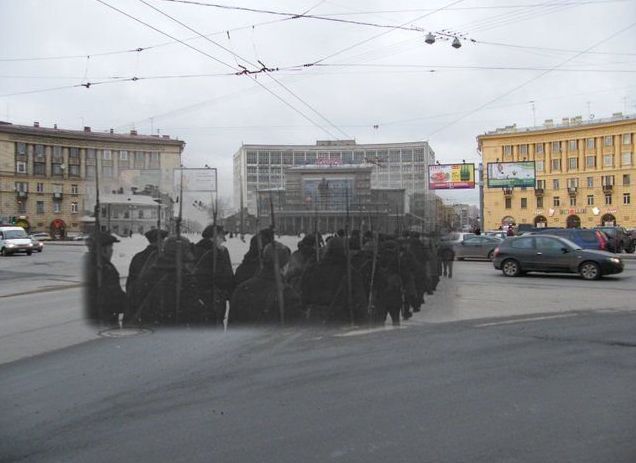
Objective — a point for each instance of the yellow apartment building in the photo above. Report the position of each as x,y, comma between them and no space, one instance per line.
47,175
584,172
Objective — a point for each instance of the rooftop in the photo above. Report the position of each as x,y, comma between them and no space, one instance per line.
132,137
134,200
567,123
338,144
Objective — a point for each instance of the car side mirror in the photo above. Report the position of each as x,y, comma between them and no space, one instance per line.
565,250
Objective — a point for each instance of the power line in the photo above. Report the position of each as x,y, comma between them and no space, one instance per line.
214,59
311,108
526,82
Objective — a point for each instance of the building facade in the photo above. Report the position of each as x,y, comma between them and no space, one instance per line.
327,198
47,175
393,165
584,173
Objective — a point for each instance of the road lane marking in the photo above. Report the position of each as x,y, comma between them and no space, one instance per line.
523,320
363,332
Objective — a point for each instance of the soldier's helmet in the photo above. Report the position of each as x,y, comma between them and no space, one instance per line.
101,238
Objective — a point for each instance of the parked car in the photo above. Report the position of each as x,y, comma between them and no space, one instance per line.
36,244
42,236
476,247
455,237
79,237
497,233
585,238
550,253
619,239
13,240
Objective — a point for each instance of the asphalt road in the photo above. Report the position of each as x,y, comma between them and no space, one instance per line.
544,390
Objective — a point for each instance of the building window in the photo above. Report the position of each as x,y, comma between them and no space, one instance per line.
57,206
140,160
573,163
573,182
540,166
74,189
123,155
626,159
539,148
39,187
590,200
140,213
74,156
22,186
627,139
523,150
74,207
541,184
107,171
556,146
73,170
507,150
39,207
556,201
107,155
154,160
627,199
90,171
555,184
626,180
508,203
572,145
251,157
572,201
591,143
608,140
39,168
608,199
608,160
56,170
20,167
524,203
590,182
607,180
58,188
540,202
556,164
590,162
21,148
22,206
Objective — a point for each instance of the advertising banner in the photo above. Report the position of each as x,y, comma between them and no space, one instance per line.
511,174
203,180
451,176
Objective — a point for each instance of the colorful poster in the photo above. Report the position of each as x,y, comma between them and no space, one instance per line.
451,176
511,174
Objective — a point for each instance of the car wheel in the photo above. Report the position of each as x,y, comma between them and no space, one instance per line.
490,255
590,271
460,258
631,248
619,248
29,253
510,268
4,252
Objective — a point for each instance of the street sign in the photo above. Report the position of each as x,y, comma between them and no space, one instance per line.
201,180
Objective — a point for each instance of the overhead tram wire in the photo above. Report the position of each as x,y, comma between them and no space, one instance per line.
291,92
278,97
526,82
525,17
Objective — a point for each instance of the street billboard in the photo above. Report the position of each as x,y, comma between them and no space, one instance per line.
201,180
511,174
451,176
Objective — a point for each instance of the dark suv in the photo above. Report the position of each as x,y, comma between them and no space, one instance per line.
618,239
584,237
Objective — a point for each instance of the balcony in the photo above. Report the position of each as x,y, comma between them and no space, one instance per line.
22,194
608,188
507,192
58,196
538,192
572,191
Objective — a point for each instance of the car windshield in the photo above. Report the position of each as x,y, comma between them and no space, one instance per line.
571,244
14,234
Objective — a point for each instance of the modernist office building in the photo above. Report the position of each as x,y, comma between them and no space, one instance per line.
47,175
584,172
393,165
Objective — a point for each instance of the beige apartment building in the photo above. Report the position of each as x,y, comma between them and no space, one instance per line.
584,173
47,175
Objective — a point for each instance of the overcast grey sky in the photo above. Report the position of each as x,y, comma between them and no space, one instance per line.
387,81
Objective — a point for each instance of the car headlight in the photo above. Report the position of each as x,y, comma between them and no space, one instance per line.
10,245
614,260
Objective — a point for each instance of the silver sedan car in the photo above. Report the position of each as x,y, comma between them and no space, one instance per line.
476,247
